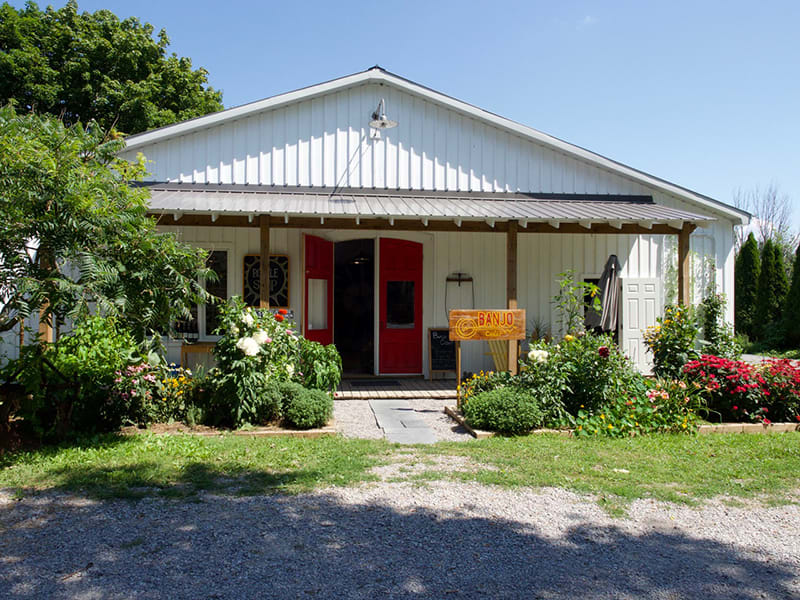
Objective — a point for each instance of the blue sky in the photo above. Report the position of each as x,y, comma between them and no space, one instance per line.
704,94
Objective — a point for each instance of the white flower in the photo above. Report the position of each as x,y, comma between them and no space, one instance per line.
235,330
289,370
539,356
248,319
248,345
261,337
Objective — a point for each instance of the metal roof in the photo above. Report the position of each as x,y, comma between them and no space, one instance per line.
381,76
370,203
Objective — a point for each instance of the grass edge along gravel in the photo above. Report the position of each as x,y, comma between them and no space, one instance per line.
673,468
683,469
131,466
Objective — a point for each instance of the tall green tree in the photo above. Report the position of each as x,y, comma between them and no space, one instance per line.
772,288
75,234
791,309
747,270
94,66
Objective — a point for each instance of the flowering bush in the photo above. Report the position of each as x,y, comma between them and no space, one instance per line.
594,369
659,406
672,341
132,393
734,389
174,396
255,349
781,389
542,375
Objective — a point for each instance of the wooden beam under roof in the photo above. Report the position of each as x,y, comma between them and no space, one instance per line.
412,224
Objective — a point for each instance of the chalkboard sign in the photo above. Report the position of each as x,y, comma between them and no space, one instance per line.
441,351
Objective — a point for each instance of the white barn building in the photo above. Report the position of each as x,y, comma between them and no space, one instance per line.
375,234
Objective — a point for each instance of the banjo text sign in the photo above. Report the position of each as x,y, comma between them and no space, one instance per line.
474,325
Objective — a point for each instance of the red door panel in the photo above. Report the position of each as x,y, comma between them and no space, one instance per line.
318,321
400,295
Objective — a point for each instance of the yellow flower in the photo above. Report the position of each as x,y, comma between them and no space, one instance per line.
580,427
581,405
611,427
637,423
569,338
603,417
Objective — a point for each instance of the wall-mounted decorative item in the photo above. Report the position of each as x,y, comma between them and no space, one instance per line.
278,280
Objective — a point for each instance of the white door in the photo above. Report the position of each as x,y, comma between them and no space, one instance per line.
641,304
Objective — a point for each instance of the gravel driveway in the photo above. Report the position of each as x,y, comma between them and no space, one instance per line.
394,540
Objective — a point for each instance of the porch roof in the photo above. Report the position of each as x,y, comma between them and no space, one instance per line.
251,200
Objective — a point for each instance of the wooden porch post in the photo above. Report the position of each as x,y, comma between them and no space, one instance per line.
511,289
263,271
684,264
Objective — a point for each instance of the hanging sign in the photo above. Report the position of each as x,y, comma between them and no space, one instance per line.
474,325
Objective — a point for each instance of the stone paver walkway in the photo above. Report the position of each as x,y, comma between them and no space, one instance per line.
400,423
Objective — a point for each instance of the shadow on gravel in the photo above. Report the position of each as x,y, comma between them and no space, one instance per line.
314,546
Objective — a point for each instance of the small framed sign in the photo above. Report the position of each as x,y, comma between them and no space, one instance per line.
278,280
441,351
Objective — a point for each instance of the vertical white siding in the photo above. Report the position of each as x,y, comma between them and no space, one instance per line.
325,141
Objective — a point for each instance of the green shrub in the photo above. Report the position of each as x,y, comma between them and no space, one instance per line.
747,269
791,308
507,410
482,382
305,408
771,296
672,341
320,366
269,405
718,335
68,384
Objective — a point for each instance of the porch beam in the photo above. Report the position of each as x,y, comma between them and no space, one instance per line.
415,224
263,267
511,288
684,263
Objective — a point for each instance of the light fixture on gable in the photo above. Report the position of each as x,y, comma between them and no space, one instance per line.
379,121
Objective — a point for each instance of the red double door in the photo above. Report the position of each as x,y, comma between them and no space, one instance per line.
399,301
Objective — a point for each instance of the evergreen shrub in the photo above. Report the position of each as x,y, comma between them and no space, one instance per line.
507,410
305,408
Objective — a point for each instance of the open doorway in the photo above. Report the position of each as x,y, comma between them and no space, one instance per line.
354,305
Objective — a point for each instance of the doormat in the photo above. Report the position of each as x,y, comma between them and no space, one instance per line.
373,382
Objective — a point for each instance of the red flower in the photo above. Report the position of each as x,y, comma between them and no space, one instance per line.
765,409
797,417
279,317
735,408
283,311
767,421
603,351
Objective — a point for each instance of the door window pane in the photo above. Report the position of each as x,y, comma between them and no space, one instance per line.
217,262
317,304
400,304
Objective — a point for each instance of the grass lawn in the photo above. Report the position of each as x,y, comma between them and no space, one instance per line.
760,348
679,468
